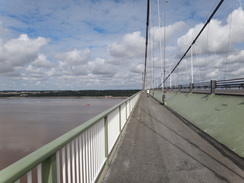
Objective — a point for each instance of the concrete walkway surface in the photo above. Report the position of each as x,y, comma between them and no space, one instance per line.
158,147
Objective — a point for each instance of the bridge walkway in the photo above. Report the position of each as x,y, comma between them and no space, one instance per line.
158,147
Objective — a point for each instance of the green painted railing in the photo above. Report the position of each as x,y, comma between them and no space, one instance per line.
77,156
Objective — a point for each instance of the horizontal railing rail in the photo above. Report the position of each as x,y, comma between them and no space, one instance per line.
230,84
77,156
202,85
191,86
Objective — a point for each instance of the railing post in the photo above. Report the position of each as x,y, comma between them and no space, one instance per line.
213,86
129,106
49,170
106,139
191,87
120,128
126,110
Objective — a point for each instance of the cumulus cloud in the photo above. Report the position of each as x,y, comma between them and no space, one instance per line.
101,67
212,67
34,73
236,58
73,62
131,46
157,33
235,20
137,68
29,60
218,53
42,61
238,72
75,56
38,70
217,37
20,51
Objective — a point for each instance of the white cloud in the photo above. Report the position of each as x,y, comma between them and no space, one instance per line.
101,67
216,38
137,68
157,33
236,21
131,46
236,73
106,42
72,63
20,51
218,53
75,57
236,58
41,61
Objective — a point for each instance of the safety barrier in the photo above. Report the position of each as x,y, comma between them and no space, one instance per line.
231,83
232,86
77,156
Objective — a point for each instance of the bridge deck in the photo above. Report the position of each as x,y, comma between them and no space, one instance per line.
159,147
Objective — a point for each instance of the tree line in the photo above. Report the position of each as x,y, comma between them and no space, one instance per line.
59,93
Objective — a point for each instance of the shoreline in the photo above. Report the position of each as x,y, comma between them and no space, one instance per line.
70,93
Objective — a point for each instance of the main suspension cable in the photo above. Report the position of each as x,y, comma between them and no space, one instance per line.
194,41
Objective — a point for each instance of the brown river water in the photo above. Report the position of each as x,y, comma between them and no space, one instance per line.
26,124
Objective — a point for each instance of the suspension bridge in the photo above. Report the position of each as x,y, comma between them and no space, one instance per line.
141,140
166,133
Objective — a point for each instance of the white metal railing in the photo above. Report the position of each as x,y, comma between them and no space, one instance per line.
78,156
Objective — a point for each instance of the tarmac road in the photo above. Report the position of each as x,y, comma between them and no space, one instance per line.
158,147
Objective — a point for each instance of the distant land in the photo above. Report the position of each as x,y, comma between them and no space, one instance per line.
65,93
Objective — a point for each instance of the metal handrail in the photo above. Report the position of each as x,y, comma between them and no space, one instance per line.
231,83
202,85
47,153
231,86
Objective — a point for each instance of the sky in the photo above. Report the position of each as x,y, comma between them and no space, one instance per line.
100,44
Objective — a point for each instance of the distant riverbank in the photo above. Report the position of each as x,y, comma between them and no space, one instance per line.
65,93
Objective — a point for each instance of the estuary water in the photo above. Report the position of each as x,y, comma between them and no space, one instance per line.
26,124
